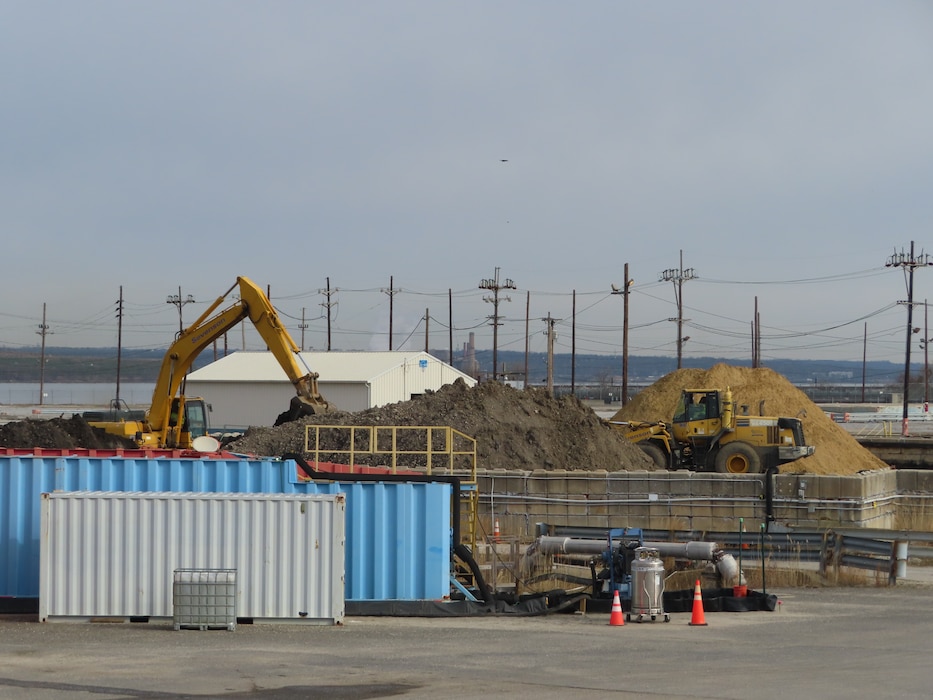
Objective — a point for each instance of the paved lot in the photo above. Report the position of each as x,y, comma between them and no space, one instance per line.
829,643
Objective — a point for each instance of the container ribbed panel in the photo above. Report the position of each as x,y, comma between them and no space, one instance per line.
113,554
397,537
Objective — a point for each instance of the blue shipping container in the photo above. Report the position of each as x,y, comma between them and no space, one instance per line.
398,533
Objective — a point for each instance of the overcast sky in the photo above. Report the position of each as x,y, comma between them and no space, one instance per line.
786,149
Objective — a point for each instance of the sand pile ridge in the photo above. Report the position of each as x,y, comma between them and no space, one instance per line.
837,452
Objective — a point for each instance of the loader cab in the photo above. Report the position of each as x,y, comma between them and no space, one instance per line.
697,405
698,419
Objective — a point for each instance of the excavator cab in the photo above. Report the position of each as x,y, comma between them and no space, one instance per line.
194,422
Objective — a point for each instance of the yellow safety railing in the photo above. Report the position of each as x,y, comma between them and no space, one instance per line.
410,447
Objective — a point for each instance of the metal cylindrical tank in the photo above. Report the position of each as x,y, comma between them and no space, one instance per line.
647,585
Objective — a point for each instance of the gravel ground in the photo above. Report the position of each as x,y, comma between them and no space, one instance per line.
823,643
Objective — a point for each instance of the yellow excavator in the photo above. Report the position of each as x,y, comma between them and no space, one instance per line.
163,425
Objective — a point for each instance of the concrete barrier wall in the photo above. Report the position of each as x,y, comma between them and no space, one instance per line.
686,500
915,499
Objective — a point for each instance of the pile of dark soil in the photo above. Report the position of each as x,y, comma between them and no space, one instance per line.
59,433
514,429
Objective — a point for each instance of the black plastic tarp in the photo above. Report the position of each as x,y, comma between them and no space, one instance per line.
557,601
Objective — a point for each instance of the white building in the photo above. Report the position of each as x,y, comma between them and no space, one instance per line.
250,388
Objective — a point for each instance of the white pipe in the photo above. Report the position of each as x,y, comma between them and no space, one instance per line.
704,551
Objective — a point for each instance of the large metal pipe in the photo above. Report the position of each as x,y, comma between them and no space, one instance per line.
698,551
548,544
726,564
701,551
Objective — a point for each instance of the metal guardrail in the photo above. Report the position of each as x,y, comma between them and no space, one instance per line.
882,551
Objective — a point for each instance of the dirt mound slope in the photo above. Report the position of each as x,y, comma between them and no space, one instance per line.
514,429
59,433
837,452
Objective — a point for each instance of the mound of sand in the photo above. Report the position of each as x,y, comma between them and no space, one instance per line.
837,452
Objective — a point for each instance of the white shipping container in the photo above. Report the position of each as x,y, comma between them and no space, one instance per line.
107,554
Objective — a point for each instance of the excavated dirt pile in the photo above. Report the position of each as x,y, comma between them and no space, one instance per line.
837,452
59,433
514,429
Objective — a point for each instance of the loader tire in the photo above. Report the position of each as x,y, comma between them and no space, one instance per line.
657,455
738,458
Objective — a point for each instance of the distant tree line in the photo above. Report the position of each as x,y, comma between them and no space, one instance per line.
100,365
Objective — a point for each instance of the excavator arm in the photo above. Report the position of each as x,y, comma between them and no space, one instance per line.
255,305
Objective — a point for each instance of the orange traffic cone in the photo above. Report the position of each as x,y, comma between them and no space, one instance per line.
616,617
698,618
495,530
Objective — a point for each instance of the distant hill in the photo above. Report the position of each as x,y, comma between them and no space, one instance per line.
647,368
84,364
100,365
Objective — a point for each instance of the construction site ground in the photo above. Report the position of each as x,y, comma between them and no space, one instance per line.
530,429
819,643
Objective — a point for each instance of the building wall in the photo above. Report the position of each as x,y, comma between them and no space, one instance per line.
411,378
238,405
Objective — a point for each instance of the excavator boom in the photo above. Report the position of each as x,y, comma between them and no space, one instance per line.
164,424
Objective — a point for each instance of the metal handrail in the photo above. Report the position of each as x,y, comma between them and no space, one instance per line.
372,440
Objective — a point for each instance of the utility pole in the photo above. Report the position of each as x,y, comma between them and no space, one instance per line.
43,331
177,300
756,337
495,286
626,283
450,326
909,263
116,404
573,345
864,357
527,324
925,346
678,276
328,306
551,335
391,291
303,326
427,319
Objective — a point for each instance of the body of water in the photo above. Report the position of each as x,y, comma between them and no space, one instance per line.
75,394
